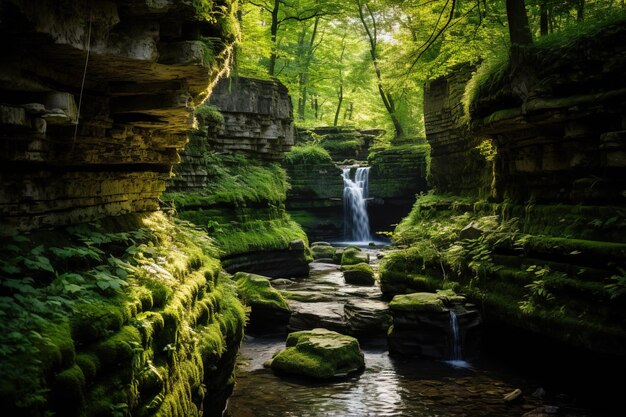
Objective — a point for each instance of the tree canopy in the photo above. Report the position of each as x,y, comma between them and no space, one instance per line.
364,62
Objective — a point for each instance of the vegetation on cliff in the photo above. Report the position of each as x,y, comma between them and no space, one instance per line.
127,315
242,205
566,287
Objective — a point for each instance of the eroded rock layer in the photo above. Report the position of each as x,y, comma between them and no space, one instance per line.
532,222
95,99
257,118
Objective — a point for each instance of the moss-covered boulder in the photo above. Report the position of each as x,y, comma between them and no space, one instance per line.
359,274
323,252
422,323
319,354
353,255
268,307
422,302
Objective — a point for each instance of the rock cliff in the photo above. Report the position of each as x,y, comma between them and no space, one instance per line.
130,313
528,214
96,99
229,185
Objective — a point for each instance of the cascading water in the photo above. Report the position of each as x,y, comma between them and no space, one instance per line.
455,352
356,221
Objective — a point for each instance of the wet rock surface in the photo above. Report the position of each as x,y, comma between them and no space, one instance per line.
319,354
401,385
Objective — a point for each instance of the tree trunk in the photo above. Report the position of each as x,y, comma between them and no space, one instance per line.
543,18
316,107
340,97
385,96
580,10
274,31
519,31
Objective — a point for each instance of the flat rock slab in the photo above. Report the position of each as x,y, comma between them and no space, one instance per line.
368,317
306,316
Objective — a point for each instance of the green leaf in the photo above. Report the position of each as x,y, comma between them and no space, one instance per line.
39,263
103,284
37,250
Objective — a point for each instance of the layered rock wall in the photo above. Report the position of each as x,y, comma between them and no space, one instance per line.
456,163
129,314
257,118
229,185
144,66
534,181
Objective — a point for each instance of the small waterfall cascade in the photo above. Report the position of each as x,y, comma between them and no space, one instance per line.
455,351
356,221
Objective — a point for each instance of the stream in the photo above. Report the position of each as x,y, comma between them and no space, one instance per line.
390,385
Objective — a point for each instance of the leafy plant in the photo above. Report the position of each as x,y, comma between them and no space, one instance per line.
618,287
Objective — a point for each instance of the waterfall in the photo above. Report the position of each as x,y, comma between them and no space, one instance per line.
455,352
356,221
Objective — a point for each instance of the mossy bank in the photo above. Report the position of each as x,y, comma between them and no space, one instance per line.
129,315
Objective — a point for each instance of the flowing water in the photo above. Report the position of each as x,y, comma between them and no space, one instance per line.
389,386
356,220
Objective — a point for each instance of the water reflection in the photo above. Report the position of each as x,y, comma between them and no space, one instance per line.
388,387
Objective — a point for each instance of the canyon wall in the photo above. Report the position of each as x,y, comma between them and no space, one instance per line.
528,213
130,313
230,184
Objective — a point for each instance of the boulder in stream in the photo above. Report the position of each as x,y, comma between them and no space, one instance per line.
359,274
352,255
319,354
268,308
423,325
323,251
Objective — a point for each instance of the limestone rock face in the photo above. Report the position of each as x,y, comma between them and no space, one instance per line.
456,164
145,65
258,117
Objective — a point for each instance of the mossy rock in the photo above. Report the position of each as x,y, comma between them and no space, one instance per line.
420,302
319,354
359,274
320,244
394,282
352,256
268,307
323,252
256,290
67,391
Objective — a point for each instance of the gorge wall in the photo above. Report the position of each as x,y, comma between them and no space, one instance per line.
229,183
528,216
130,313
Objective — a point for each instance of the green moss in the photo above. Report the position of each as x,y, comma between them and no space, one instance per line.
394,282
359,274
307,154
323,252
420,302
119,347
257,290
353,256
97,319
67,392
236,180
319,354
259,235
89,365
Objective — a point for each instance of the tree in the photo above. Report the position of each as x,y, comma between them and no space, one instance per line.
519,29
282,11
369,21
